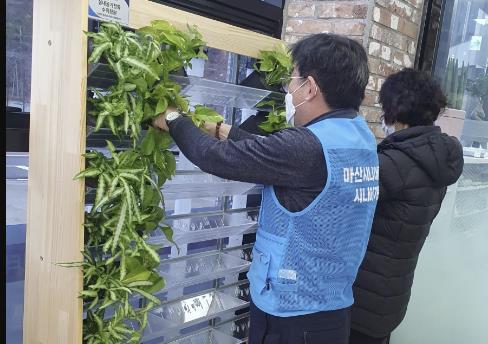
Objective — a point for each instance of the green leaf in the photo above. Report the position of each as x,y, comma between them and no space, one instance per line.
157,283
117,67
138,275
147,295
99,322
89,172
206,114
111,125
140,65
163,139
112,259
154,255
266,65
88,293
170,163
149,111
120,224
130,176
159,25
107,303
141,84
98,51
139,284
107,244
161,106
151,197
148,143
271,103
129,87
110,147
181,103
168,233
126,121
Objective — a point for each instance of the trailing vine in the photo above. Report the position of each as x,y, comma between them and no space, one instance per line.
119,264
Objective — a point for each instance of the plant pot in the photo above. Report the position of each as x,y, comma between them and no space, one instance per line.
256,80
179,72
251,125
451,122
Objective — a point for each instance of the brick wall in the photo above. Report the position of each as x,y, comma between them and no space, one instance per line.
392,45
388,29
302,18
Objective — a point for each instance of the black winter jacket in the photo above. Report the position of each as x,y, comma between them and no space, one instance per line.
416,166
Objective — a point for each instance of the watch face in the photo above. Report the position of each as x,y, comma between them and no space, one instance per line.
172,116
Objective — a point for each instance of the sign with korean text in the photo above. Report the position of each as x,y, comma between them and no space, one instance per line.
109,10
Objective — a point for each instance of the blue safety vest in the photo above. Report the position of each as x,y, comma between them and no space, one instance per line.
306,262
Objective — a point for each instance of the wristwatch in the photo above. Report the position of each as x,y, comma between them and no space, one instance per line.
172,116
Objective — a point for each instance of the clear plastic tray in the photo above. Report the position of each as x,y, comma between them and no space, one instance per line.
196,269
210,336
199,90
188,311
238,290
191,228
204,91
193,206
186,188
242,252
237,328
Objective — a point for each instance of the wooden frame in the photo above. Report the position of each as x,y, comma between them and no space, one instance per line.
52,309
217,34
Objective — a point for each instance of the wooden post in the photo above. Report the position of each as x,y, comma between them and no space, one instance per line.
52,309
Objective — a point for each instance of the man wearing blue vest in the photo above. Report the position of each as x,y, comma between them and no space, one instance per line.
320,190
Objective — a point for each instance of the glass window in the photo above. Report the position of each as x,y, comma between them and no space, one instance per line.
448,301
462,57
17,92
18,53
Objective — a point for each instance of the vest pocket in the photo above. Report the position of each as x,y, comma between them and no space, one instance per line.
280,286
259,270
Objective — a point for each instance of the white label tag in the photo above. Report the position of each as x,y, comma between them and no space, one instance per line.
287,274
197,307
109,10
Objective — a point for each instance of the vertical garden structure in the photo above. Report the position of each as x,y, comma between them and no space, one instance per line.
53,311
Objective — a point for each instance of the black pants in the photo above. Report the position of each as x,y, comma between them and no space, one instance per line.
318,328
360,338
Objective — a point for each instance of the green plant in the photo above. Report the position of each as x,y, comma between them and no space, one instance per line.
276,119
118,262
142,62
479,89
276,65
454,83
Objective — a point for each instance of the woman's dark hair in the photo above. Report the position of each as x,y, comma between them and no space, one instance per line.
411,97
338,64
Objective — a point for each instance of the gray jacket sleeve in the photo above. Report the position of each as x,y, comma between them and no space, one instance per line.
291,158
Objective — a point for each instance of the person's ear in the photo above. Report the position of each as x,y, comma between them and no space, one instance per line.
313,90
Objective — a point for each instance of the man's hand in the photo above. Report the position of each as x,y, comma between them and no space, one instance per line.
210,128
160,121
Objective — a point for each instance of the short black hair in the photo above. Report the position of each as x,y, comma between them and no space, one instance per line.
338,64
411,97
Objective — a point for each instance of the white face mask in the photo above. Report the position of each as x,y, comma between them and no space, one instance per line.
290,108
388,129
